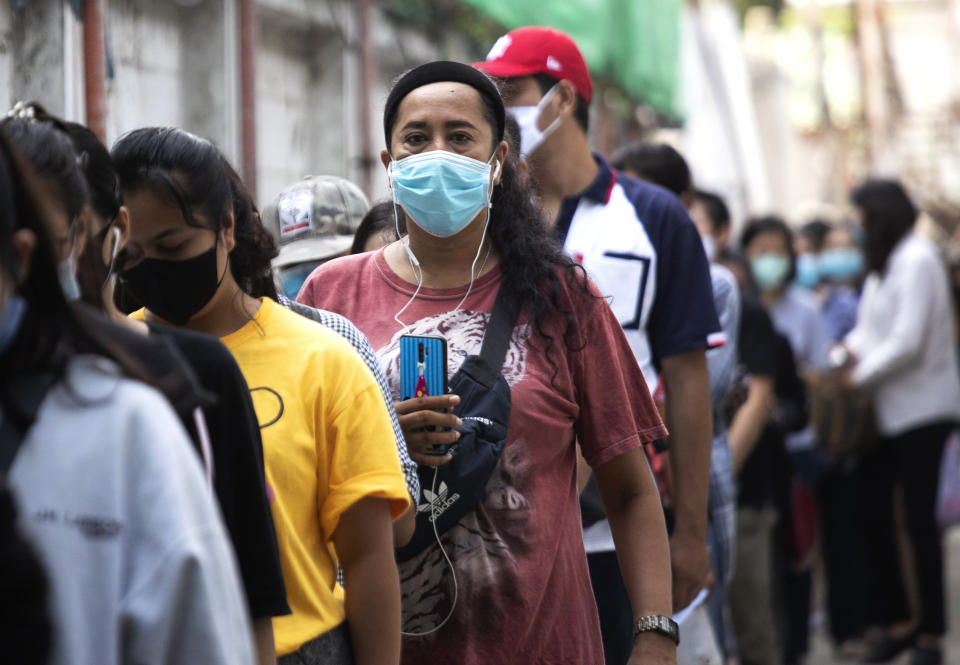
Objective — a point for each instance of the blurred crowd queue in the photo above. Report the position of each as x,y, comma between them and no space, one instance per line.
536,407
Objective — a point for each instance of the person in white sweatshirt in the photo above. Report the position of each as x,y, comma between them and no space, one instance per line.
902,351
107,488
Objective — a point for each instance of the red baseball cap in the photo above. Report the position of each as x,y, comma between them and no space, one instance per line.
538,50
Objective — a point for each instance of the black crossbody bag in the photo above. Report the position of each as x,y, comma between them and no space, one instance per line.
455,489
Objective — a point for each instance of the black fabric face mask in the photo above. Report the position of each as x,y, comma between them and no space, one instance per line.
174,290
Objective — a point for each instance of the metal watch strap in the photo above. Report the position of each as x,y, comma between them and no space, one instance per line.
657,623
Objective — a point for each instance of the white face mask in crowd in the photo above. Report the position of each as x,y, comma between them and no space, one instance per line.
528,118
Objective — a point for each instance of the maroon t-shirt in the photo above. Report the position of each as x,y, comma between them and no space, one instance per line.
523,591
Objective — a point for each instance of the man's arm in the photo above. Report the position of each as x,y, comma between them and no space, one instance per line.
686,384
749,420
636,519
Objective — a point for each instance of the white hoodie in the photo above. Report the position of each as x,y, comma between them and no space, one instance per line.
111,495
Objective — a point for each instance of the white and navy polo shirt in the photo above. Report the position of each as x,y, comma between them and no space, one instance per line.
638,244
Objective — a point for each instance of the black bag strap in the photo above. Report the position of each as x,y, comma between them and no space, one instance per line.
30,393
496,339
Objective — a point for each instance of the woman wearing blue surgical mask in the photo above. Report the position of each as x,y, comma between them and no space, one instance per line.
199,258
508,582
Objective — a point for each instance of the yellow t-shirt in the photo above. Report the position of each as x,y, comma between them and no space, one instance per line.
327,443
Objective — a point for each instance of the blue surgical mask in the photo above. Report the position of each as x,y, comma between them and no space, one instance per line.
808,270
770,270
841,264
441,191
11,318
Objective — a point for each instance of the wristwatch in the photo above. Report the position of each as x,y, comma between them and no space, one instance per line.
657,623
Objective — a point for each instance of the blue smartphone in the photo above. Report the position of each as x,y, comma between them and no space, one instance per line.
423,370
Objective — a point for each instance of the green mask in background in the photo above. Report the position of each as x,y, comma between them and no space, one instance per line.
770,270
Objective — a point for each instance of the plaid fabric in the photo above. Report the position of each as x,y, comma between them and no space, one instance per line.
348,331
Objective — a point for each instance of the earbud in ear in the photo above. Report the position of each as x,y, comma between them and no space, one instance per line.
116,243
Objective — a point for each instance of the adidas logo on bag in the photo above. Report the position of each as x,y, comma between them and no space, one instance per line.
437,504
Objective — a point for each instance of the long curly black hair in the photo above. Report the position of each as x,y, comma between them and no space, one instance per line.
193,174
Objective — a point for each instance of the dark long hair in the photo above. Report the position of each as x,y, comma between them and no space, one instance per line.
193,175
378,219
888,215
51,331
103,185
52,157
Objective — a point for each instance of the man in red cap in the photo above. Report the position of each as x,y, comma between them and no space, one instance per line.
640,246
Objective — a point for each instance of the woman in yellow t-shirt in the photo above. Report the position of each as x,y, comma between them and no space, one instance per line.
200,258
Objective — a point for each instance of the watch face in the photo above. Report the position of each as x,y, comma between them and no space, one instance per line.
659,624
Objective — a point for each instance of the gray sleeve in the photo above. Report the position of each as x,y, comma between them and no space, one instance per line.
722,360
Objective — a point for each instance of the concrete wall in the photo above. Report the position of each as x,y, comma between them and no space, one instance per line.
175,62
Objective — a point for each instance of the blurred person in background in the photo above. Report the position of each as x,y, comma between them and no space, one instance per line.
515,587
768,244
844,431
807,244
329,449
313,220
377,229
108,490
841,268
662,165
764,373
711,215
639,245
225,431
903,351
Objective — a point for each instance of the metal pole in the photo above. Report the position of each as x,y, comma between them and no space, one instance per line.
95,67
368,74
248,98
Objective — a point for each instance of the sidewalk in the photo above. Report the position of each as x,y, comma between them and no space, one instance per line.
821,652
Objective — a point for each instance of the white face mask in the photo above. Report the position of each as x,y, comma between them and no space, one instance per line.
528,118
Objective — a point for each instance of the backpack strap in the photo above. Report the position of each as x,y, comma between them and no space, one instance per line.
496,339
30,393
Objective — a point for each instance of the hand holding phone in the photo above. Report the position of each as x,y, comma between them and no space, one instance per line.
423,387
427,424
